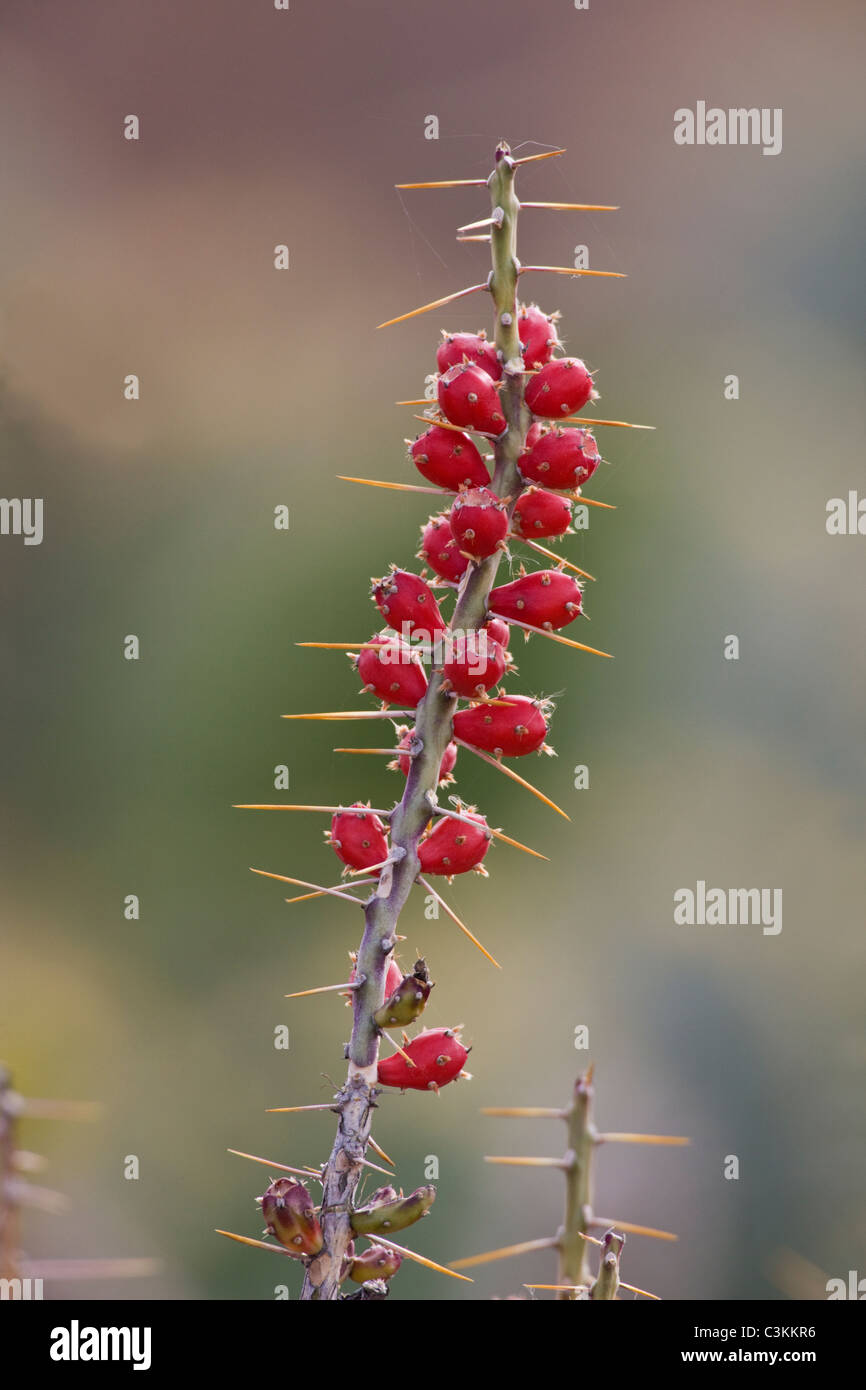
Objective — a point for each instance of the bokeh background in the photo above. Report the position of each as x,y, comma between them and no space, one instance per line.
156,257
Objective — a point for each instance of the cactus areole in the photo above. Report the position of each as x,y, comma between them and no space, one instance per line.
481,570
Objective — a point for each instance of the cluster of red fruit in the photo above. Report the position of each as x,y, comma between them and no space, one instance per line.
559,456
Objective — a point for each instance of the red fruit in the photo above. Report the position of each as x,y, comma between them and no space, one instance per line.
475,346
358,837
479,521
392,671
441,550
446,767
438,1056
475,663
513,728
546,598
560,388
537,334
393,976
534,433
560,458
406,602
498,631
469,399
538,514
453,847
448,459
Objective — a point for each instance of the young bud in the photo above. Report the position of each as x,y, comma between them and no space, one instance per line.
376,1263
287,1208
408,1000
381,1218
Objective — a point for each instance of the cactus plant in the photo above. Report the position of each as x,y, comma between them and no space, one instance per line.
573,1241
517,393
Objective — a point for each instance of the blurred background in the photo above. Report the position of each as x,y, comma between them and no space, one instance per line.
156,258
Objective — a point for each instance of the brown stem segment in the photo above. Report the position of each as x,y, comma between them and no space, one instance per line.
433,730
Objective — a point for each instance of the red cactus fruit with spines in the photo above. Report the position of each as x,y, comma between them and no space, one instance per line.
474,346
453,846
392,672
537,334
538,514
436,1056
560,388
546,598
358,837
475,664
441,551
407,602
510,729
479,522
560,458
448,459
469,399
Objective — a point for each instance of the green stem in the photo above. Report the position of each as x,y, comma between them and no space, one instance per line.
582,1139
433,731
